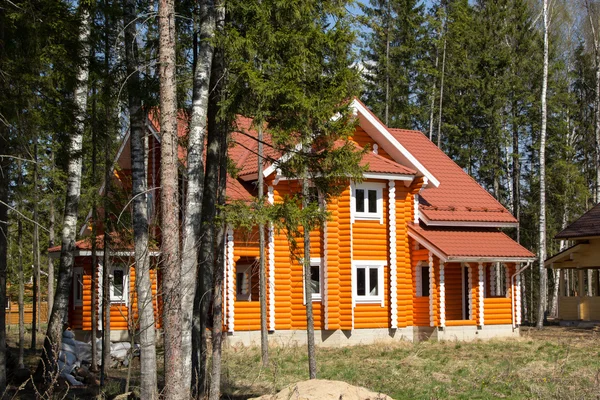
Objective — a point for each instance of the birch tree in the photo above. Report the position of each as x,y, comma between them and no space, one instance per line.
542,227
143,282
592,18
206,255
65,274
195,180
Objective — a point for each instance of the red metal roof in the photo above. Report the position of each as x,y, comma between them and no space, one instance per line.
378,164
459,197
456,243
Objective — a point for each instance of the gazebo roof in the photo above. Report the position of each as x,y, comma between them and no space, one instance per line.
588,225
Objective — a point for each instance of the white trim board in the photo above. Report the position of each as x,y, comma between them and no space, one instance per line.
377,130
472,224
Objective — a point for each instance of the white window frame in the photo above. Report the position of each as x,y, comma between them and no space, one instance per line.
124,298
77,281
245,269
316,297
421,266
368,299
366,215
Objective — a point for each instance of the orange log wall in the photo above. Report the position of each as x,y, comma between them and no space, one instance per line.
80,316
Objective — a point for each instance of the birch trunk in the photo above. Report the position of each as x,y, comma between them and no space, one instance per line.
310,321
206,256
65,271
217,323
264,333
542,229
432,110
195,182
516,171
143,281
439,133
169,197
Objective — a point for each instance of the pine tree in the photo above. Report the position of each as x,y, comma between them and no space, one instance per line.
395,62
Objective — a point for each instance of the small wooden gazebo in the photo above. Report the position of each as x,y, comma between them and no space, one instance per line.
579,288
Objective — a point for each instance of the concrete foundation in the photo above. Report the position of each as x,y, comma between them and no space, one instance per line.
323,338
339,338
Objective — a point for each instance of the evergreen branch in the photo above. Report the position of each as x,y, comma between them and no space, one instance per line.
22,216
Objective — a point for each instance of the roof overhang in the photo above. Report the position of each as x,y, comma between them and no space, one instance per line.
575,257
444,257
463,224
384,138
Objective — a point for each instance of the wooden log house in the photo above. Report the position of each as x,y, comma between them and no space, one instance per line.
415,250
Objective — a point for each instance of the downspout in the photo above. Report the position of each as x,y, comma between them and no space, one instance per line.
512,297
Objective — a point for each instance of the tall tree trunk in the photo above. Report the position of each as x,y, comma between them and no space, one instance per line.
195,182
542,231
596,44
94,275
264,333
4,185
21,279
439,132
310,321
433,89
106,267
143,281
387,66
36,251
171,266
206,255
217,323
516,170
65,272
51,244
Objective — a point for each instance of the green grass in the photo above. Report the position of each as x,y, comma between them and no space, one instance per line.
561,366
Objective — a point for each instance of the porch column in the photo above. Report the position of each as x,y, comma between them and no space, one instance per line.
442,296
230,311
581,292
517,292
561,283
271,277
431,301
393,260
481,288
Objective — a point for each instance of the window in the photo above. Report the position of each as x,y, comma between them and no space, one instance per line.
425,281
367,201
368,281
316,275
243,279
78,286
119,284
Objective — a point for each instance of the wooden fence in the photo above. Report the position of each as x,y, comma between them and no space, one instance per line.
12,313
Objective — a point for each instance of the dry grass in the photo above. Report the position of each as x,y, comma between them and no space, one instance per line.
553,363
